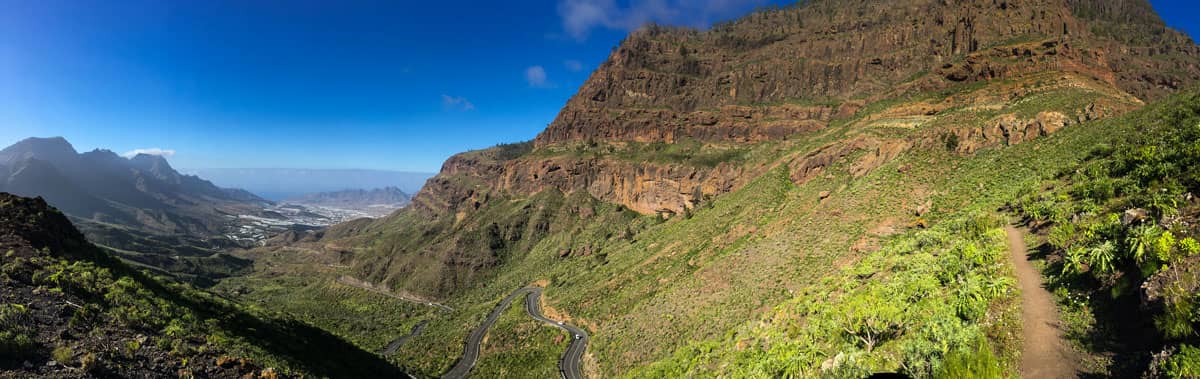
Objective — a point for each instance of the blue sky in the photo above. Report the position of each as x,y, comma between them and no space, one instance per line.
396,85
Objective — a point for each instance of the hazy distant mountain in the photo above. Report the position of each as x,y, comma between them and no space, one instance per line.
375,202
139,204
283,183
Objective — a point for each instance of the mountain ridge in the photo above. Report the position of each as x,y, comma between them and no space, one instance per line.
69,309
376,202
138,204
281,183
978,100
778,169
644,95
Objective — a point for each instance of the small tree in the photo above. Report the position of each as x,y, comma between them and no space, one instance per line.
872,318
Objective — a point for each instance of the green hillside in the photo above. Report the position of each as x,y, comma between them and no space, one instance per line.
775,197
69,309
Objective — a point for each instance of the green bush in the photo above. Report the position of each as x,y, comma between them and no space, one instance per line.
62,354
1180,316
16,331
979,362
1062,236
1189,247
1141,242
1183,365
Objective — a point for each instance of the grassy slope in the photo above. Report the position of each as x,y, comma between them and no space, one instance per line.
304,284
744,255
696,279
1091,255
132,308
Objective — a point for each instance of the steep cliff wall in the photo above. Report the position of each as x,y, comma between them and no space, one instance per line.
678,116
664,84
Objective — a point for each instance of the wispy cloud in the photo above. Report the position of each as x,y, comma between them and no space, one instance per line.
165,153
573,65
536,76
580,17
457,103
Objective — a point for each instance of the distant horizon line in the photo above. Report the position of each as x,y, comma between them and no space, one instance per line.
308,169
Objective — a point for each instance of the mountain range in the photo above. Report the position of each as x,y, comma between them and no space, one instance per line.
834,189
283,183
103,187
139,207
752,200
375,202
147,212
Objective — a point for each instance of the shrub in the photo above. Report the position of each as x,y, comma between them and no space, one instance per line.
1141,241
1062,236
1102,258
174,329
1074,261
1180,316
131,348
1189,247
870,318
85,317
62,354
979,362
951,141
88,362
1164,247
1183,365
16,331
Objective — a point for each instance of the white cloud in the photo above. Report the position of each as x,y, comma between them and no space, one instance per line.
457,103
165,153
573,65
579,17
536,76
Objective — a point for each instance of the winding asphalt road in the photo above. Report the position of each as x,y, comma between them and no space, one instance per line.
392,347
568,366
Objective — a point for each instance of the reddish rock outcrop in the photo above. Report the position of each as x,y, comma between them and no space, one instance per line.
643,187
789,73
1008,129
664,84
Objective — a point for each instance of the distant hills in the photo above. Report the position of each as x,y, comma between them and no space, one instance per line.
375,202
147,212
140,207
283,183
101,186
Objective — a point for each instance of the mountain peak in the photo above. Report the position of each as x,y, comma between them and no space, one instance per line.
153,163
148,158
816,61
53,149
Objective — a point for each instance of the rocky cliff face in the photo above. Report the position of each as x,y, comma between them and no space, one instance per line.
676,116
643,187
671,83
790,73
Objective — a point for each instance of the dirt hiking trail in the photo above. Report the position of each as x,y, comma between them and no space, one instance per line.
1044,354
